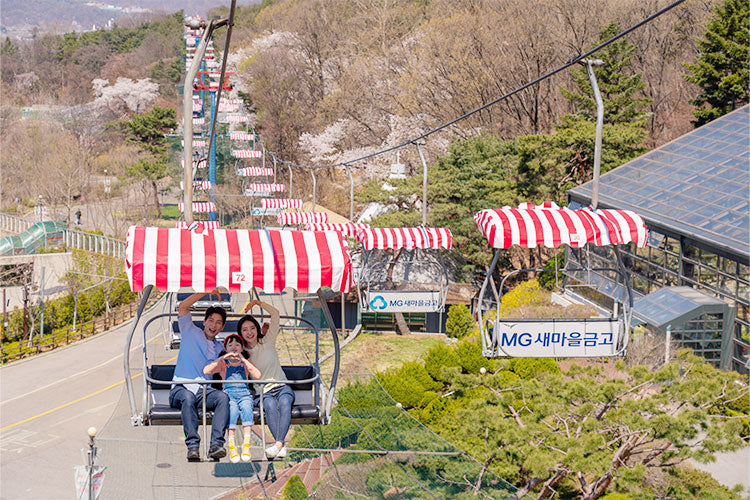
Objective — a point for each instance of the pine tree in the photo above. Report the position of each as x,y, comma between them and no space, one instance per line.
619,88
722,70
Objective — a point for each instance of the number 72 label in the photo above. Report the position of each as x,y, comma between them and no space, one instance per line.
238,277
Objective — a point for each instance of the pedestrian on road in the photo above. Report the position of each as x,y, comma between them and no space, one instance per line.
277,398
78,217
231,365
197,349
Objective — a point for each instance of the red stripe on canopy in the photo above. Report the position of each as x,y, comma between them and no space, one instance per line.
280,203
529,226
237,260
301,217
348,229
253,171
405,237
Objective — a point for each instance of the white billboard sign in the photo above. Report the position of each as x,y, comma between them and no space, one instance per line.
564,338
399,301
267,211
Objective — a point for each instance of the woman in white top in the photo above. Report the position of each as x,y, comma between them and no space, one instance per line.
277,398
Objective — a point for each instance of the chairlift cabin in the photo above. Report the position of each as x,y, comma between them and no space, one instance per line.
379,291
239,261
529,226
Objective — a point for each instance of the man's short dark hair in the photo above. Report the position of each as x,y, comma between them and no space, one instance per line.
216,310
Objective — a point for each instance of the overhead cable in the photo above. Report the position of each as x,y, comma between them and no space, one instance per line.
569,63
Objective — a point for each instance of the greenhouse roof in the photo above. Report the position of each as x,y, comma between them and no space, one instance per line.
697,185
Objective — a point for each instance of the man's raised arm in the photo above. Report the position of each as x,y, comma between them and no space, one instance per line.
184,307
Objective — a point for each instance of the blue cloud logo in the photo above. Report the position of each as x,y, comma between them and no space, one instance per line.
378,303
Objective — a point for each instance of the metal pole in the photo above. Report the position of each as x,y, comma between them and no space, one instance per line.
590,63
212,156
315,188
424,181
351,194
666,347
187,126
274,169
291,176
41,329
92,452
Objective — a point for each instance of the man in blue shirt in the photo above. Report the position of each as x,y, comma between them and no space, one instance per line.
197,349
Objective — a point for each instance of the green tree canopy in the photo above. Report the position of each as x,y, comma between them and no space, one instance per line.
722,70
147,131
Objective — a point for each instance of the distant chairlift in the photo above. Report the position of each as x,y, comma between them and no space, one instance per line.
379,291
529,226
239,261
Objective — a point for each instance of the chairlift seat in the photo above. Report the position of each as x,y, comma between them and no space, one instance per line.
304,410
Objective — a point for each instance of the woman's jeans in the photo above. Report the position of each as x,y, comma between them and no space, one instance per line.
242,407
277,404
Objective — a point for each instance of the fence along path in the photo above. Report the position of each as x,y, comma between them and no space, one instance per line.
72,238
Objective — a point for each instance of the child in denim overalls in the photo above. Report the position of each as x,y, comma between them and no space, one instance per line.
233,366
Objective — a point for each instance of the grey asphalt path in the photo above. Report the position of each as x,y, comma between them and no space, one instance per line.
48,402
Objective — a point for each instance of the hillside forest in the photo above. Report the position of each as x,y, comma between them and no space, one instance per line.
329,81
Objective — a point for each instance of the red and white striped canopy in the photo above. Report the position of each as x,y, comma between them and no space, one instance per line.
280,203
198,121
246,153
198,185
254,171
273,188
205,224
201,163
237,260
301,217
231,101
529,226
197,143
199,207
228,108
348,229
197,106
236,118
240,136
405,237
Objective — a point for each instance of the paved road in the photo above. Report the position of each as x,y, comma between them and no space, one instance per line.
48,402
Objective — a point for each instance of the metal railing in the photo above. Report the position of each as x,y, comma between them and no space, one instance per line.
72,238
13,223
96,243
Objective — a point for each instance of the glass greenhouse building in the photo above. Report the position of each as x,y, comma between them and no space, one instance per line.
694,276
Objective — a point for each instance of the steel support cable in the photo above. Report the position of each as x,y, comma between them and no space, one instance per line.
572,61
438,435
387,452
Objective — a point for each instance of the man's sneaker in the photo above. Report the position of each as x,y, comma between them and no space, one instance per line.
282,452
272,451
194,455
217,451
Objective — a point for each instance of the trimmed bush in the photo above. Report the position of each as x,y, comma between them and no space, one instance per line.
438,357
459,322
294,489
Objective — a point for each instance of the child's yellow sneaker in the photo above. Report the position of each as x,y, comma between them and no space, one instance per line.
234,457
246,452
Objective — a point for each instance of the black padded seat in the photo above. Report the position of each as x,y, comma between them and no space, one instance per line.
160,413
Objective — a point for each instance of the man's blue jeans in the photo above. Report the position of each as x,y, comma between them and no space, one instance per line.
277,405
217,401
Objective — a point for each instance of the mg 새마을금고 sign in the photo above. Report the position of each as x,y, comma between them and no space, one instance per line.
400,301
555,338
